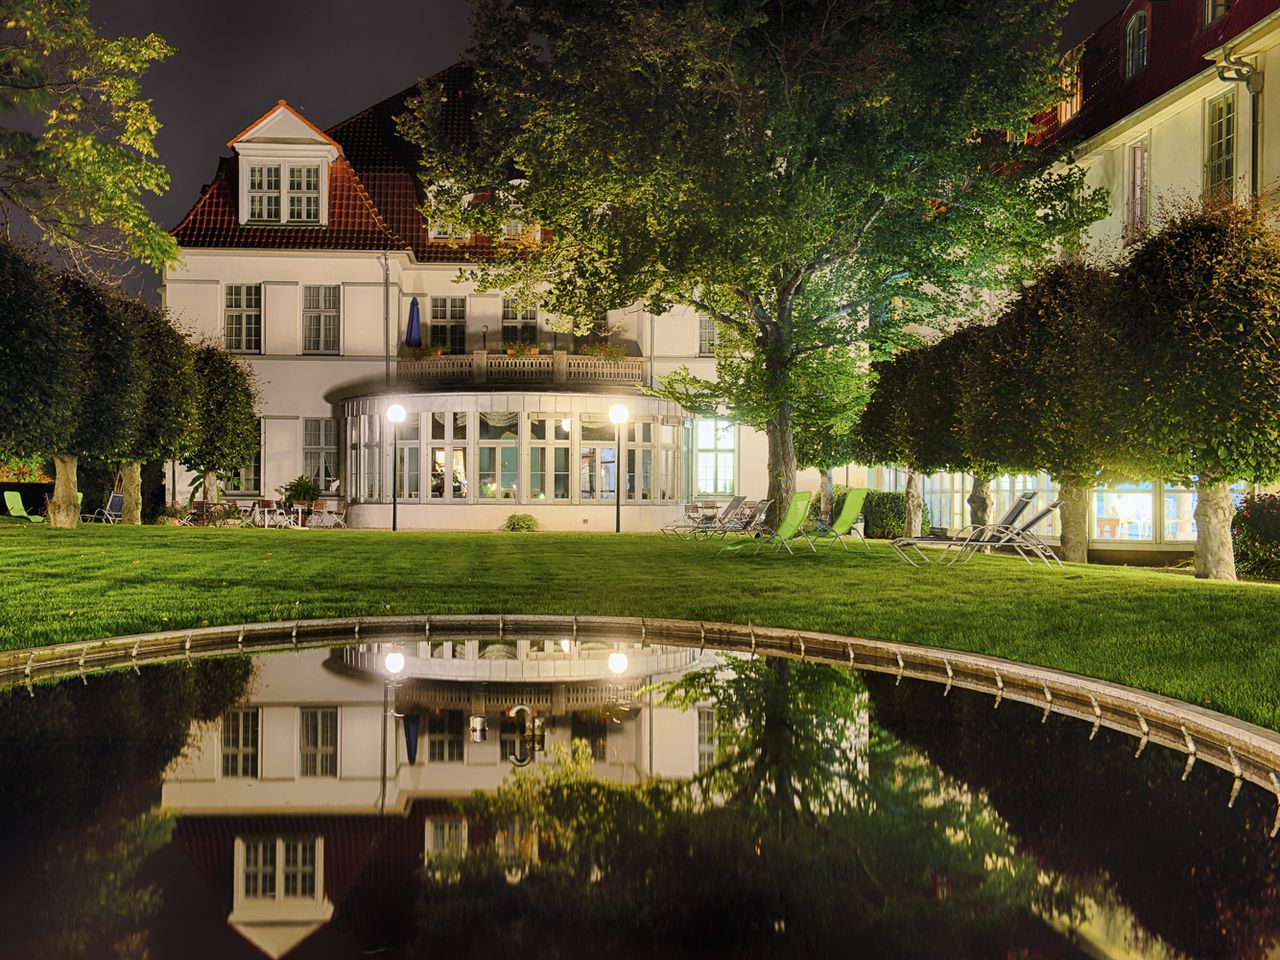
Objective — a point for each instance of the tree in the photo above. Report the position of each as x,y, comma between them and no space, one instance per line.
169,404
112,381
78,150
1198,320
805,174
1041,390
226,434
833,393
39,347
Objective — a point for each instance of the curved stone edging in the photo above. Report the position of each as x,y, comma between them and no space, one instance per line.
1246,750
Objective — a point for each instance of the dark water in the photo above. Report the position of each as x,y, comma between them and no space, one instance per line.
250,807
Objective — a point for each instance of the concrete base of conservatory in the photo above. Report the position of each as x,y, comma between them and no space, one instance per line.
1140,554
636,518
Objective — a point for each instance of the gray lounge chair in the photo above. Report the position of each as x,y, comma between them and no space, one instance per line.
1020,538
692,529
749,526
968,540
111,513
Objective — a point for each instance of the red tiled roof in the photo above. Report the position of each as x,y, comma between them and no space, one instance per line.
1176,45
292,110
375,197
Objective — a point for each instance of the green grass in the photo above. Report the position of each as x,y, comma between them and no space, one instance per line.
1210,643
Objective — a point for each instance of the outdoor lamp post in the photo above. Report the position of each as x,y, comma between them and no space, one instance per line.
618,413
395,413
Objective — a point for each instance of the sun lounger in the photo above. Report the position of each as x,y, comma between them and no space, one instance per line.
792,526
844,523
969,539
691,529
13,502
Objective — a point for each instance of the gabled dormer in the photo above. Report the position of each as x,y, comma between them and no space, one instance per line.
284,165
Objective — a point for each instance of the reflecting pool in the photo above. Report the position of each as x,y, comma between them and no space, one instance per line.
549,799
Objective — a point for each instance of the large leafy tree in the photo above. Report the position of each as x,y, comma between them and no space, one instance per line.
225,434
1198,320
77,145
806,174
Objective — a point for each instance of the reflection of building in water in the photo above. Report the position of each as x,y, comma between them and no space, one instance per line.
279,802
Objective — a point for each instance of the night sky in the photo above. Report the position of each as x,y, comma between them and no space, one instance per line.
328,58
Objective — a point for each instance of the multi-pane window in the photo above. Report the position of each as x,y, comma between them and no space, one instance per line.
279,868
248,478
1213,9
1139,186
498,464
1220,152
242,318
1072,87
706,738
594,729
445,837
510,737
408,473
445,730
321,319
447,455
449,323
320,452
318,741
706,337
549,457
512,230
260,869
715,457
441,230
1135,44
264,193
304,194
597,459
640,460
300,868
519,324
240,742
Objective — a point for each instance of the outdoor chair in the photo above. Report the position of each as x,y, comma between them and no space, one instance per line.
690,529
13,503
322,517
792,526
971,538
845,522
751,526
1020,538
111,513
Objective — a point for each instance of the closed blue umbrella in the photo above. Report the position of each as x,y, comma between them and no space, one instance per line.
411,727
413,332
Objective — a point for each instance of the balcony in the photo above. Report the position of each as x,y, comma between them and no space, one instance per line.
558,368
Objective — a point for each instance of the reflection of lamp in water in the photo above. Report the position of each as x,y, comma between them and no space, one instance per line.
618,662
393,663
564,646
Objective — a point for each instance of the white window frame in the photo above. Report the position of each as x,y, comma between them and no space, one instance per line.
707,742
322,319
448,313
320,750
1221,133
431,849
241,750
263,187
321,442
306,193
242,320
1215,10
708,336
1136,38
443,230
717,452
278,844
1138,185
519,324
248,479
447,740
1072,86
448,446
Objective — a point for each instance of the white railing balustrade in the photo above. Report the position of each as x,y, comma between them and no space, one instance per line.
557,367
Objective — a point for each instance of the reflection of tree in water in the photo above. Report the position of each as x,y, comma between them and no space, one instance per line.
790,844
1203,878
82,767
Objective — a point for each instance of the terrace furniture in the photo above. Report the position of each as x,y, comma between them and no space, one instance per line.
111,513
966,541
1020,538
324,518
705,524
844,523
750,526
792,526
13,501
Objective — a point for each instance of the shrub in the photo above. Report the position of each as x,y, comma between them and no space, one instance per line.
885,511
301,489
1255,535
838,493
521,523
612,352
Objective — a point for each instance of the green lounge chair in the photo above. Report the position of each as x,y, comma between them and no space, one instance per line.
843,525
792,525
13,501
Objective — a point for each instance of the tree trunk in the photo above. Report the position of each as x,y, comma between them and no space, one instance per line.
64,509
1074,516
827,506
782,463
1215,558
915,506
210,490
131,472
980,501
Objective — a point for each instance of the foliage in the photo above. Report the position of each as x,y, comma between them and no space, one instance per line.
78,145
429,350
521,523
226,435
1198,323
838,492
604,350
885,512
1256,536
810,182
112,374
31,469
169,406
39,352
301,489
517,348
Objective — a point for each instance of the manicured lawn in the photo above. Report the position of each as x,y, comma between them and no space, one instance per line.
1212,643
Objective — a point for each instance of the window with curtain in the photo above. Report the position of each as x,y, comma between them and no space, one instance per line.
320,452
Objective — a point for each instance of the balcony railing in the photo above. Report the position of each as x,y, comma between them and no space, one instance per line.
558,367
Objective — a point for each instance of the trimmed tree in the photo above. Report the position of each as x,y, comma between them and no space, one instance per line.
39,354
225,435
169,403
809,181
1198,319
1041,391
112,376
827,411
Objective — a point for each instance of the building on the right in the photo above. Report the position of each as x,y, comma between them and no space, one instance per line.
1164,105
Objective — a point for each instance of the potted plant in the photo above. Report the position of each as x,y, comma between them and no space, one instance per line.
520,349
604,350
171,516
430,350
301,489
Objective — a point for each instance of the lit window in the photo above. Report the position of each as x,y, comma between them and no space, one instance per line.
304,194
1220,152
519,324
706,738
320,452
279,868
445,736
264,193
1135,45
445,837
449,323
240,742
242,318
715,458
321,319
706,337
318,741
1215,9
1139,186
447,456
498,463
1072,86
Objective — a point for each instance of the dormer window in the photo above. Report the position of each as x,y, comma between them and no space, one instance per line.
441,230
1135,45
1215,10
304,194
1072,87
264,193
